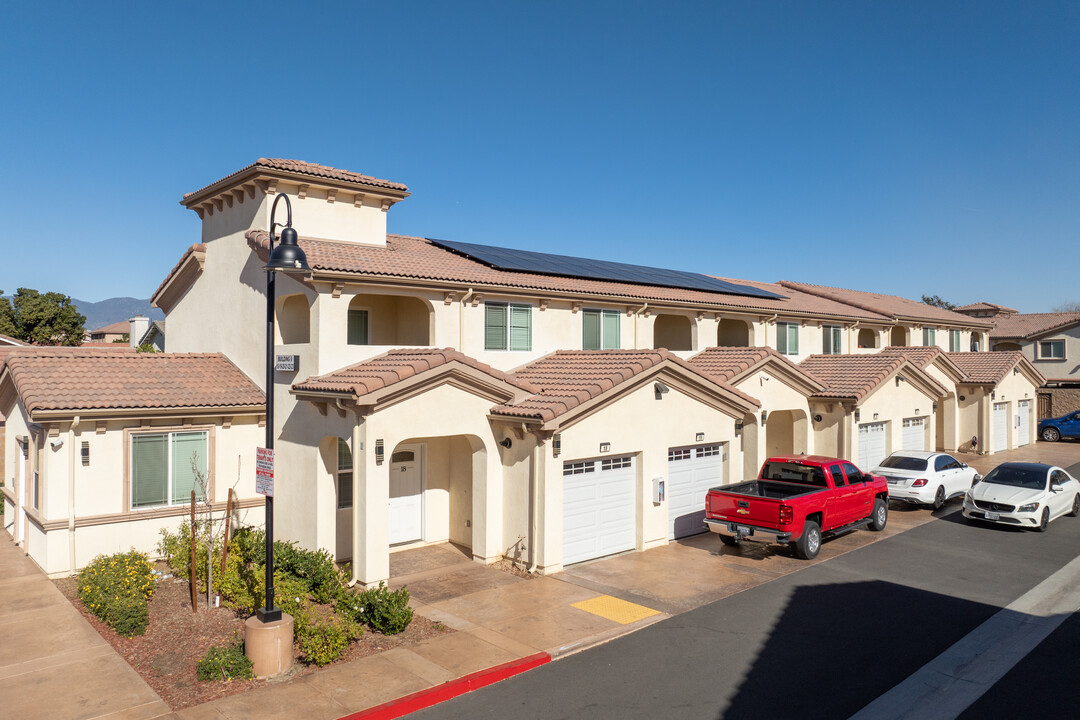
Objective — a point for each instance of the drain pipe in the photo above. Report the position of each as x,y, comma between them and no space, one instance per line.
534,484
461,320
71,494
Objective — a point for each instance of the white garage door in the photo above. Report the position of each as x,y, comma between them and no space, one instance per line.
691,472
1001,427
1023,422
871,445
598,508
913,436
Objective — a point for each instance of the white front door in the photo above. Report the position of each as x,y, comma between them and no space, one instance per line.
1001,427
1023,422
913,436
691,472
406,494
599,515
871,445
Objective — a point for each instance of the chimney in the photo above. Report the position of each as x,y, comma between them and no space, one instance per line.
137,327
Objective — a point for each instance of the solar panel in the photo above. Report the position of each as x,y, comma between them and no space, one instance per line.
574,267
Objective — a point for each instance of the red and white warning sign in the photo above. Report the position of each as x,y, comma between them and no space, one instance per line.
264,471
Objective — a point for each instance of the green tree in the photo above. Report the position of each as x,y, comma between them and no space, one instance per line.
41,318
938,302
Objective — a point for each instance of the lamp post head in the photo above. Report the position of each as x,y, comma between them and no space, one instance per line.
287,256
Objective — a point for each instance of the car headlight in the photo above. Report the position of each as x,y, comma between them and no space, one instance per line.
1030,507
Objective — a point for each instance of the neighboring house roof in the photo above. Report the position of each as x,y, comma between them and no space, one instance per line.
393,367
115,328
157,327
986,307
421,261
732,364
891,305
299,167
6,340
857,376
55,382
923,357
990,368
569,379
1031,325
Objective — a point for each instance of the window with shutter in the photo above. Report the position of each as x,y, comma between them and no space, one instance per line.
521,327
591,337
494,326
611,330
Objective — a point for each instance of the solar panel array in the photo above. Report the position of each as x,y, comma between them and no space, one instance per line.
574,267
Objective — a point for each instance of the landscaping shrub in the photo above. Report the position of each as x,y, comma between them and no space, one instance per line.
116,588
175,548
322,634
225,662
241,585
314,567
383,610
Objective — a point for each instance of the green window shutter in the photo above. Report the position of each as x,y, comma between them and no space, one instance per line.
590,330
149,469
521,327
187,448
494,327
793,338
611,330
358,327
781,338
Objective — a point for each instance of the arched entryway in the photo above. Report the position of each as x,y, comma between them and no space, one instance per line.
732,333
673,332
785,432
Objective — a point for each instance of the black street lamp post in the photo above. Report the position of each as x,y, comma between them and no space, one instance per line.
287,257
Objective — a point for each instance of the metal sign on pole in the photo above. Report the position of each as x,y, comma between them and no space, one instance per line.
264,471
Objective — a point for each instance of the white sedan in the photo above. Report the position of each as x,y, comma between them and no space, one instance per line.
1023,495
925,478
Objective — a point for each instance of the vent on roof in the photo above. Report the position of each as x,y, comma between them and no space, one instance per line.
566,266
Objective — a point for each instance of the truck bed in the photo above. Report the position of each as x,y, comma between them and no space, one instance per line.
767,489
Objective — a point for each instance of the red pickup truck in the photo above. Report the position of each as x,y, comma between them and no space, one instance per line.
796,498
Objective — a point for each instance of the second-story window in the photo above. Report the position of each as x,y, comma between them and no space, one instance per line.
830,344
600,330
787,338
929,336
359,329
954,341
507,326
1052,350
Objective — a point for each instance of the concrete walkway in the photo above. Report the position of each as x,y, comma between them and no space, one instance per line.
498,617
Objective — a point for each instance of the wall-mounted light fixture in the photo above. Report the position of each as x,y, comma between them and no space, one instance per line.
605,447
661,389
857,414
817,418
738,426
380,451
506,443
875,416
764,416
556,444
1016,370
935,407
85,452
962,398
916,412
699,437
993,394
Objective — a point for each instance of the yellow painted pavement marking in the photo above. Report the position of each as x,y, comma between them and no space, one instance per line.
613,608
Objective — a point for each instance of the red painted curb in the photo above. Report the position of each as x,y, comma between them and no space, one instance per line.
450,689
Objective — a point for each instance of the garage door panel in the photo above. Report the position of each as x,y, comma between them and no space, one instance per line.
691,472
598,508
871,445
1001,427
913,435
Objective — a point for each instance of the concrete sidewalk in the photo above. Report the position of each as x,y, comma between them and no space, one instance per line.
498,617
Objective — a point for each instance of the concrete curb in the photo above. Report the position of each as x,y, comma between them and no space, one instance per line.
451,689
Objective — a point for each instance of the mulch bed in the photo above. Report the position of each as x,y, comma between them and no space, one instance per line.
178,638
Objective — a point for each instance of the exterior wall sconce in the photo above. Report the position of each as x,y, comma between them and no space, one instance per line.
605,447
700,437
993,394
875,416
764,416
935,407
857,415
962,398
738,426
85,452
380,451
916,411
506,443
817,418
556,444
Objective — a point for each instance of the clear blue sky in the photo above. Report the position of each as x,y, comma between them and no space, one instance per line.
902,147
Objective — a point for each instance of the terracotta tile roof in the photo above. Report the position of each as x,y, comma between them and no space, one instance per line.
985,307
990,367
196,248
418,259
306,168
393,367
117,327
99,380
891,305
856,376
726,363
1029,325
922,357
568,378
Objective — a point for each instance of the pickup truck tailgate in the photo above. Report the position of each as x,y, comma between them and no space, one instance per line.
744,508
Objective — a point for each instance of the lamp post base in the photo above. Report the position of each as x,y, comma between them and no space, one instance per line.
269,645
271,615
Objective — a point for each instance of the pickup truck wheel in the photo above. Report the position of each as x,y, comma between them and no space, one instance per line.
881,515
808,546
939,497
730,540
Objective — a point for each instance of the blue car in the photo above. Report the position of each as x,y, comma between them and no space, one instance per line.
1066,426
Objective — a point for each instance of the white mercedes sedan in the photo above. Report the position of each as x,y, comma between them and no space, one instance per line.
1027,495
925,478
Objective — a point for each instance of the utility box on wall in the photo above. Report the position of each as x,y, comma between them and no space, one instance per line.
658,490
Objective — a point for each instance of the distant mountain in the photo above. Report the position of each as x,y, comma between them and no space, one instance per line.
113,310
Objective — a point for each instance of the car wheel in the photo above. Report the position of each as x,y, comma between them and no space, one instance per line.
730,540
939,497
880,516
1051,434
1076,507
809,545
1045,522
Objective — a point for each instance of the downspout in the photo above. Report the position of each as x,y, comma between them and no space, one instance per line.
534,501
71,494
461,320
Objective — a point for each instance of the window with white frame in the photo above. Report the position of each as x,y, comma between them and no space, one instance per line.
359,330
929,336
600,330
507,326
787,338
954,341
165,466
830,344
1051,349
